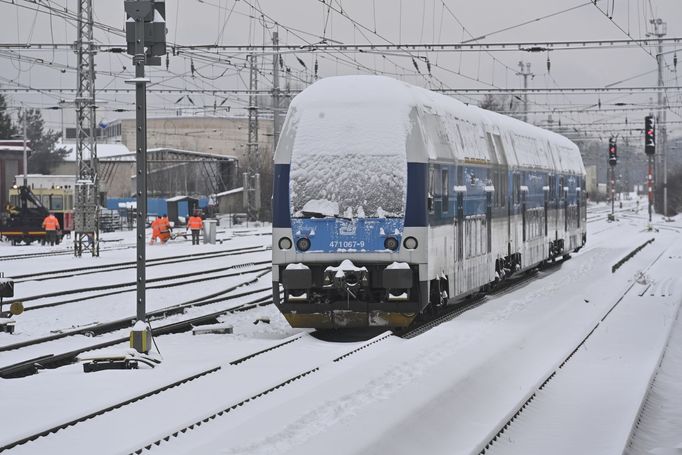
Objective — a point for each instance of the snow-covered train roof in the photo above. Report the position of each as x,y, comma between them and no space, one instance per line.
429,126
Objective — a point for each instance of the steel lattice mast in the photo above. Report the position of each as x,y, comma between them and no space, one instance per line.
86,207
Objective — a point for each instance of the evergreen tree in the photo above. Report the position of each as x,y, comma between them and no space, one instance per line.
7,127
44,155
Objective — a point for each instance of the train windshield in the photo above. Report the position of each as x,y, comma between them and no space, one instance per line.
347,165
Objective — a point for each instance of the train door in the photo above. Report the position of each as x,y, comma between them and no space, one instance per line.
564,202
546,190
516,195
459,232
489,219
524,221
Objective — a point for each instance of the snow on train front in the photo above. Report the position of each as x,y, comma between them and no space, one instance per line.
349,207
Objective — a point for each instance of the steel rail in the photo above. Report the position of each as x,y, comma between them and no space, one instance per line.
156,314
515,413
142,396
230,407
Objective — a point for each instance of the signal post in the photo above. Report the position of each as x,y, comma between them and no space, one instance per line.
613,160
650,150
146,37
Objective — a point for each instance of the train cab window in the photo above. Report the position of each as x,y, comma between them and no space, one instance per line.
57,203
445,190
517,188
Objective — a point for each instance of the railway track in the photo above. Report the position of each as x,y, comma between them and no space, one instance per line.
333,355
111,326
44,254
47,361
517,412
120,288
145,395
78,271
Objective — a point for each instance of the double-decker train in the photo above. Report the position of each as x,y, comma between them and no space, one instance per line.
389,198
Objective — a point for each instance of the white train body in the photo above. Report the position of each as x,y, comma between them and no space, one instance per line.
389,198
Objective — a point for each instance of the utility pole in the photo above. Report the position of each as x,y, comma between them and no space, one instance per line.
275,92
146,37
86,207
252,175
660,30
525,73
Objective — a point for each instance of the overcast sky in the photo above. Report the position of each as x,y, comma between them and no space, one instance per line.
231,22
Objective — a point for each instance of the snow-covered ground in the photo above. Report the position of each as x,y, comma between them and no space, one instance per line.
450,390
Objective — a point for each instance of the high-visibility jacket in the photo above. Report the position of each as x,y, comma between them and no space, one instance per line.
51,223
195,222
164,225
156,227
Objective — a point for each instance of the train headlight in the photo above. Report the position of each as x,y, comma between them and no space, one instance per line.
285,243
303,244
410,243
391,243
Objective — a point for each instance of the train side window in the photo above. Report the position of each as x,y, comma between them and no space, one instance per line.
445,190
517,188
562,193
432,185
552,187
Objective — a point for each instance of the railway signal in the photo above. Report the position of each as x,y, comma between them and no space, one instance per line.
613,160
613,152
650,150
649,135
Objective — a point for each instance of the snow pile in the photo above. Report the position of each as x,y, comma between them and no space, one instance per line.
319,207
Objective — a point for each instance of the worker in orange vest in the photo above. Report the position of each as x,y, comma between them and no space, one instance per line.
51,226
156,229
195,224
164,229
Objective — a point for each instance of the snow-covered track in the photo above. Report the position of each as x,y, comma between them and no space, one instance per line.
45,254
119,288
543,382
66,273
144,395
31,366
228,408
216,297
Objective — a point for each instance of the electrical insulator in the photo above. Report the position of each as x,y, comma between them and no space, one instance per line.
549,64
649,135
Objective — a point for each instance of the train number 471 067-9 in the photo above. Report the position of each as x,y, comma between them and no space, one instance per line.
347,244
